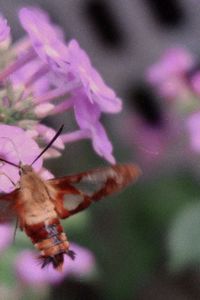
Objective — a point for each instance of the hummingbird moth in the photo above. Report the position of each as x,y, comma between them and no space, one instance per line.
39,204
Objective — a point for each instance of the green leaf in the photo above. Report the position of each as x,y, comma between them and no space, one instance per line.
7,275
184,238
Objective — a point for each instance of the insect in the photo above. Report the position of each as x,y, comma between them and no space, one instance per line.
40,204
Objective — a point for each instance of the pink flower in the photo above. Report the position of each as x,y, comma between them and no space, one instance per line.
87,115
94,86
174,62
169,74
4,32
29,271
47,42
70,60
47,69
193,127
150,142
83,264
46,38
17,147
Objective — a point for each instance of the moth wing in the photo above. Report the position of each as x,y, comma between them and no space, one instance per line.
7,213
76,192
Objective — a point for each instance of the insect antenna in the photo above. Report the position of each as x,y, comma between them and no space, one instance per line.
10,163
49,145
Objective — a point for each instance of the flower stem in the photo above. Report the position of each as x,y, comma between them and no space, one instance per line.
43,70
63,106
75,136
17,64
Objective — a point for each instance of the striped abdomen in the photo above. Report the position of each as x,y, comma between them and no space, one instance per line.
48,237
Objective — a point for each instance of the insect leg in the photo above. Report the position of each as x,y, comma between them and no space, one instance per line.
15,230
13,183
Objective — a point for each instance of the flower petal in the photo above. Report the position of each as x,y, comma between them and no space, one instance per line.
16,146
4,33
87,116
94,86
46,38
29,271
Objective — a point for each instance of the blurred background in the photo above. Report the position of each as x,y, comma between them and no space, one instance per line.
146,240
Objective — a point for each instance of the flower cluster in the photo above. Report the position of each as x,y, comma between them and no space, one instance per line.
29,271
42,75
176,79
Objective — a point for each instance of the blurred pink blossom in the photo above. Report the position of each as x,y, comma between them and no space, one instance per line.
193,127
150,142
29,271
4,33
174,62
169,75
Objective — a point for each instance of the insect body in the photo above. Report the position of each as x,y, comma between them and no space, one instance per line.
36,209
40,204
